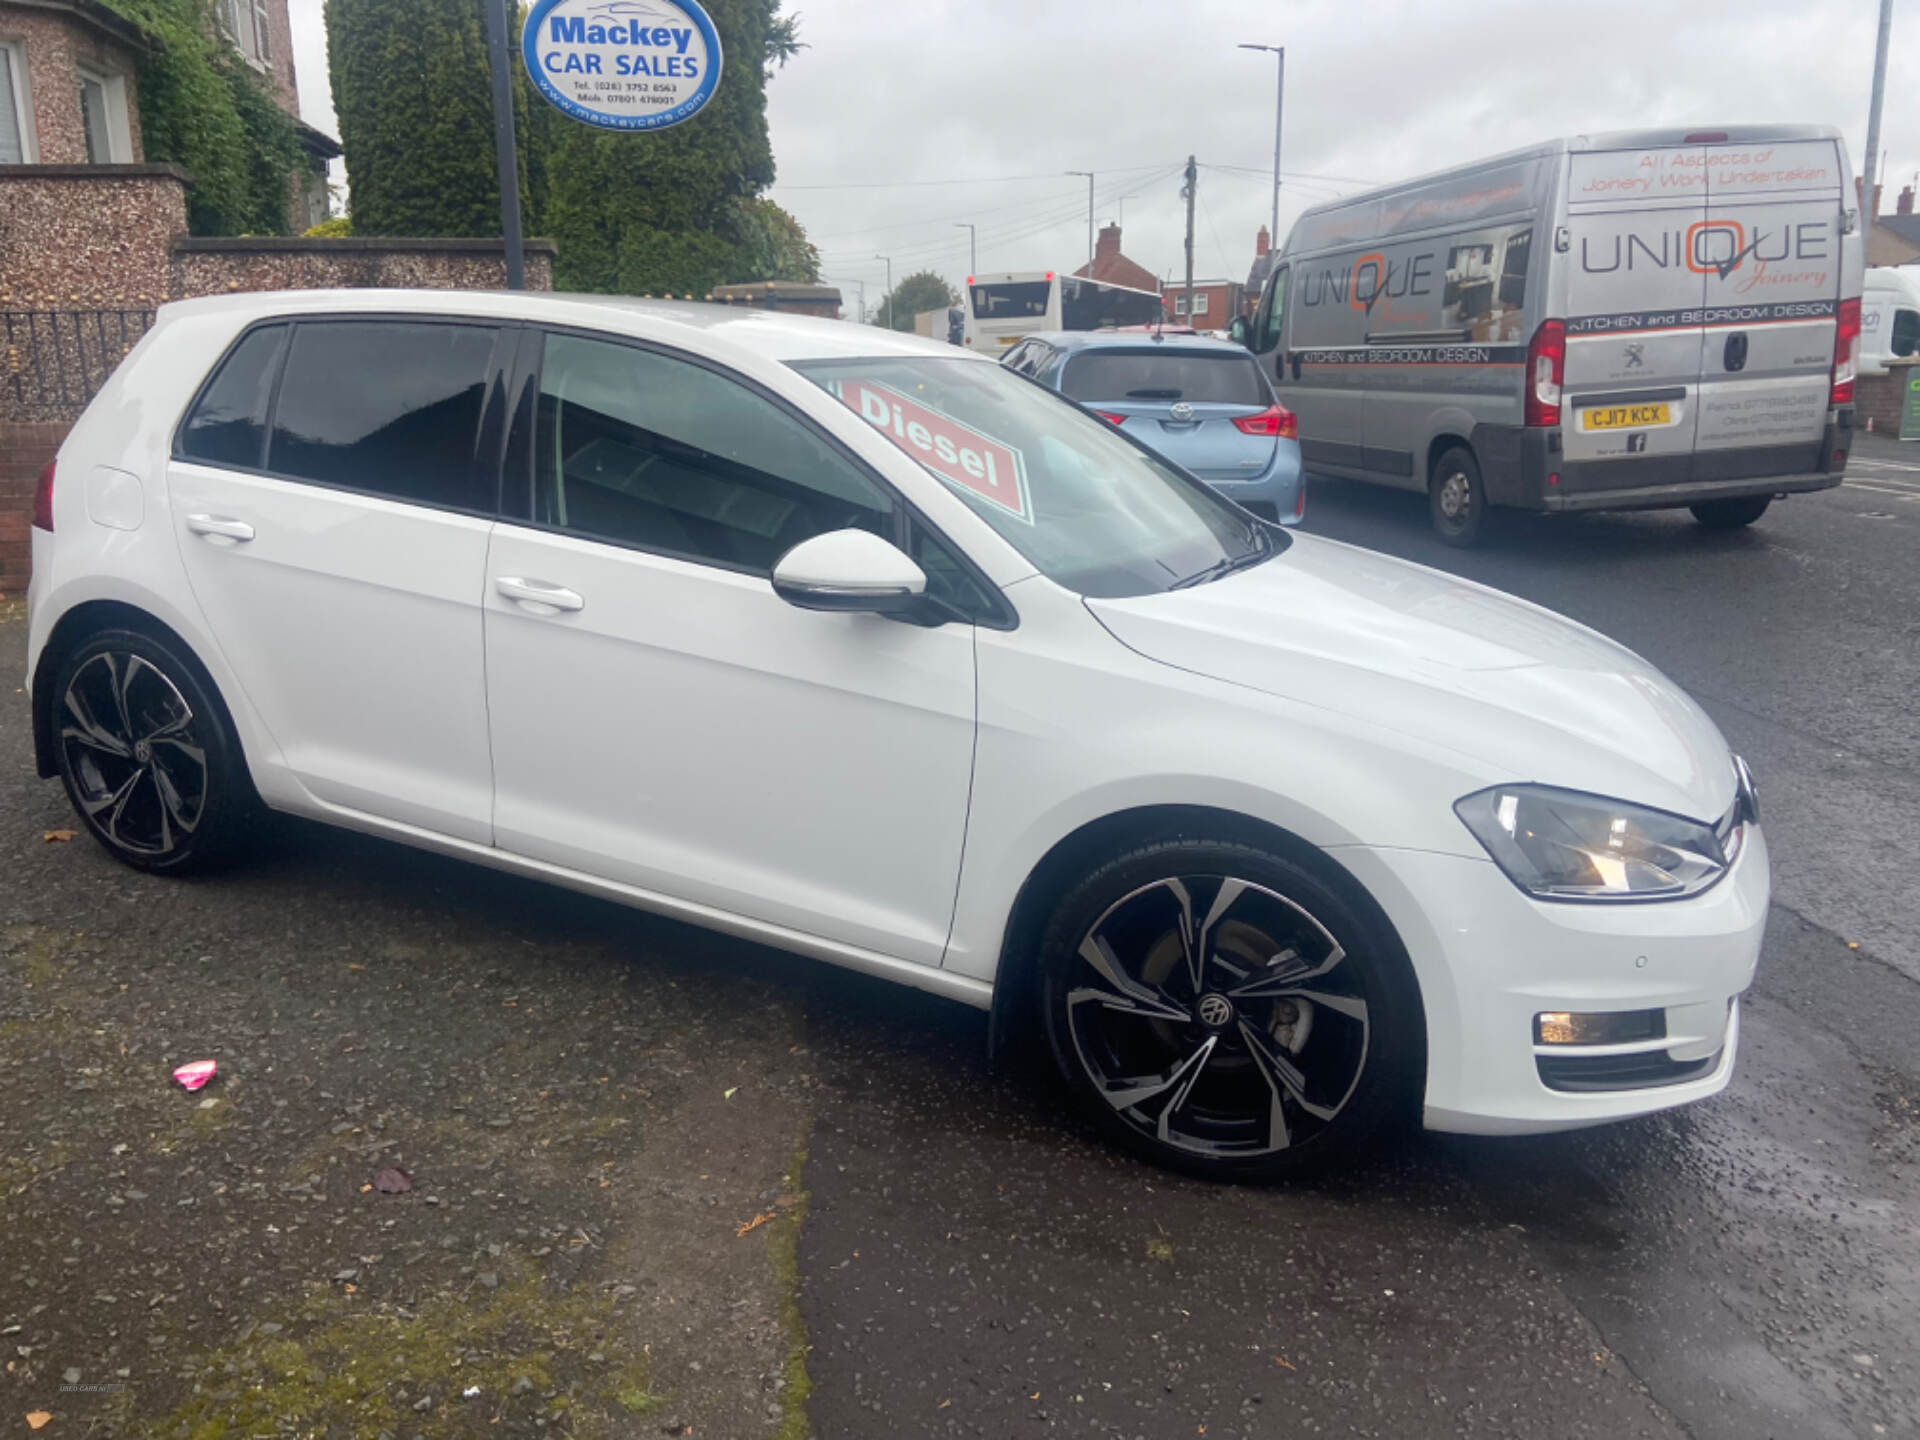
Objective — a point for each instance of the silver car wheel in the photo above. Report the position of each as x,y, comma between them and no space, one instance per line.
137,767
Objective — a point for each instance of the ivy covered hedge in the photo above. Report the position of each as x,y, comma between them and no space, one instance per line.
203,108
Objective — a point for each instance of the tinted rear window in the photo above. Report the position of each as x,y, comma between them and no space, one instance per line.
386,406
1168,375
228,424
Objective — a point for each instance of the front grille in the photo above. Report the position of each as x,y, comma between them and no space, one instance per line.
1644,1071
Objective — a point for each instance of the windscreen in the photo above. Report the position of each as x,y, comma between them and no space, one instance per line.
1012,300
1087,507
1114,375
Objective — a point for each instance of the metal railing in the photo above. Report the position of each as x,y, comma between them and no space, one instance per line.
52,362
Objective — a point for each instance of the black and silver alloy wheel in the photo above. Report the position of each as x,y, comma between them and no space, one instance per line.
128,738
146,753
1219,1018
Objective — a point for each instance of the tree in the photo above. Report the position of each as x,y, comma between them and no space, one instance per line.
669,211
201,108
922,290
773,244
412,88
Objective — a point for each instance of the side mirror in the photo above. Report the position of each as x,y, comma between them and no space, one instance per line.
1239,331
850,571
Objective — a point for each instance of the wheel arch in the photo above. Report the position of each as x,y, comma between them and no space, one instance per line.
1446,439
1013,1011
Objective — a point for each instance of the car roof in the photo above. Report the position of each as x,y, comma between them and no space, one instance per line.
1134,340
771,334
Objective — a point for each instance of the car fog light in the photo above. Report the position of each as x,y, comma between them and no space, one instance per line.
1617,1027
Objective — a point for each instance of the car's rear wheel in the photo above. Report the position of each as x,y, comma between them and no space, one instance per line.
1456,500
1227,1012
1731,514
146,754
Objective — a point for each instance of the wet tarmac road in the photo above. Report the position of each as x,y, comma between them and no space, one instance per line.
973,1264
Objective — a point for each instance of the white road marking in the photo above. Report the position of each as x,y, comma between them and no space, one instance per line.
1882,490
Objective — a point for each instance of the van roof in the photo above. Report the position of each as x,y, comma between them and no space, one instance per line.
1603,140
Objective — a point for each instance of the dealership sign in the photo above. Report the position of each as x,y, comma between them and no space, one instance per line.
623,64
959,454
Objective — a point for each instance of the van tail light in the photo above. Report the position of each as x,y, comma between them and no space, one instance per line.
43,500
1546,372
1110,417
1275,420
1846,351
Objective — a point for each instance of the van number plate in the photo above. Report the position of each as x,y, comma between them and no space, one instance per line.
1624,417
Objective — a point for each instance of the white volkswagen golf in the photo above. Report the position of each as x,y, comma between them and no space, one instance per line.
875,651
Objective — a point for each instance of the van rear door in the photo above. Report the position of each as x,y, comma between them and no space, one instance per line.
1633,307
1770,257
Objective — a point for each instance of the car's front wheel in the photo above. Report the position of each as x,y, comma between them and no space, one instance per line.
1227,1011
146,754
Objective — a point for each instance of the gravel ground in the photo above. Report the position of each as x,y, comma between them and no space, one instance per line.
591,1105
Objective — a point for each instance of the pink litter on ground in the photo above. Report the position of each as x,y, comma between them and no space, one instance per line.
192,1077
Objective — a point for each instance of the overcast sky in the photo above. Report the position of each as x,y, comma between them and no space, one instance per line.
901,119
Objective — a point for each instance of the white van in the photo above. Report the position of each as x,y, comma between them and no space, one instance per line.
1889,316
1638,320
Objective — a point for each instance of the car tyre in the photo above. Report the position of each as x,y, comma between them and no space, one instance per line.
1731,514
1229,1012
148,755
1456,500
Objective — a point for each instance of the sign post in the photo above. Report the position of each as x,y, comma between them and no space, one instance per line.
506,160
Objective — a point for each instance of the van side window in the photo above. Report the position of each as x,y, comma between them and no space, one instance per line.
1486,285
1906,332
1276,313
228,425
386,407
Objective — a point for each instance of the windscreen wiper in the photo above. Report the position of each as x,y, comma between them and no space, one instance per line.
1228,564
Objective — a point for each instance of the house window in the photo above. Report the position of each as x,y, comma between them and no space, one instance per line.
16,119
1199,302
103,112
245,23
262,33
1180,304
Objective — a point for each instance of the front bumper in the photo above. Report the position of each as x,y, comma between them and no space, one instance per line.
1489,959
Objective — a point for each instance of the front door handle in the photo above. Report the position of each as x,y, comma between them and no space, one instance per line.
539,596
220,528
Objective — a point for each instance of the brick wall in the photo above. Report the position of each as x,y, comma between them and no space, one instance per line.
78,236
25,449
55,44
207,265
1880,398
286,85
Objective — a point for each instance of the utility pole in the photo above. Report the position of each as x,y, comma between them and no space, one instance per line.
1193,180
973,258
1873,119
1089,175
506,161
889,300
1279,102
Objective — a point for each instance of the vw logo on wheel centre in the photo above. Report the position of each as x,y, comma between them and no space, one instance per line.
1215,1010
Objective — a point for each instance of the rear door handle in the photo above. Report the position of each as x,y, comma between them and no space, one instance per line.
220,527
540,596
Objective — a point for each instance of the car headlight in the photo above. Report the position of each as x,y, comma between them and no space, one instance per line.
1565,845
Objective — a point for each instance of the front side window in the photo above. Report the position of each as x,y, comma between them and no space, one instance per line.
1906,332
389,407
1225,377
1086,507
1276,313
646,449
228,424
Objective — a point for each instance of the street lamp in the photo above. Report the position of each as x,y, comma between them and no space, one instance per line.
889,300
973,258
1089,175
1279,99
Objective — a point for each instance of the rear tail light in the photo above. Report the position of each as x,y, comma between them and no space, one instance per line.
1546,371
1846,351
43,500
1300,500
1110,417
1275,420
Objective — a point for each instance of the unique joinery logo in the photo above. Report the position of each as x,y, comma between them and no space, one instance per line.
623,64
